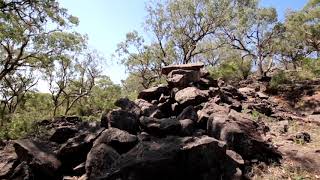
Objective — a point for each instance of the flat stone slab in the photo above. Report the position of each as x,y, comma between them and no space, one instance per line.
191,66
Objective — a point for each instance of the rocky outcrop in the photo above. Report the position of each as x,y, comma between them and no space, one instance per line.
193,128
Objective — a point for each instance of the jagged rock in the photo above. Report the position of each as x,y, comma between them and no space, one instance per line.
206,83
241,135
99,160
303,137
247,91
164,109
160,127
173,158
79,170
23,171
233,92
191,96
235,156
182,78
153,93
75,150
128,105
123,120
143,136
146,108
210,108
263,107
191,66
62,134
262,95
187,127
119,140
188,113
104,122
8,161
43,163
204,73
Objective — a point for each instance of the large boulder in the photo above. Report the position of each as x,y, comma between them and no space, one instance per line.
99,160
123,120
200,158
242,135
191,66
182,78
62,134
160,127
43,163
191,96
8,161
119,140
209,108
128,105
188,113
146,108
153,93
75,150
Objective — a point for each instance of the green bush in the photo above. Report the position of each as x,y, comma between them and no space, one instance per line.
278,79
233,70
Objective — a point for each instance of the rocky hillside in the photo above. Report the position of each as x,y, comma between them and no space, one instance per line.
194,127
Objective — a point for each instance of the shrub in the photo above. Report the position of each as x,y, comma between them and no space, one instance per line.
233,70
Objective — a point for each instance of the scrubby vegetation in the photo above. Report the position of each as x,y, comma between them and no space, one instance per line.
235,39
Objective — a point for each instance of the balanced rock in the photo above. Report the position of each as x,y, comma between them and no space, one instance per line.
191,66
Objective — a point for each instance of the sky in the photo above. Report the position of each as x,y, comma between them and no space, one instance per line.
106,23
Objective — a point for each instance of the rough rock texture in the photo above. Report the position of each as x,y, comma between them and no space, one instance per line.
182,78
120,140
193,128
153,93
123,120
196,67
43,163
191,96
99,160
173,158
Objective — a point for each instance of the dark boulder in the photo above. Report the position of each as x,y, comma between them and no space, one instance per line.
128,105
119,140
187,127
182,78
99,160
242,135
209,108
153,93
188,113
200,158
145,107
41,160
62,134
160,127
75,150
123,120
191,96
8,161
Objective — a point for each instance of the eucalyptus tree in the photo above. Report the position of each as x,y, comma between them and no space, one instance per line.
304,26
254,31
32,34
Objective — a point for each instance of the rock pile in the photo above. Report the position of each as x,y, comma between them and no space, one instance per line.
194,127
